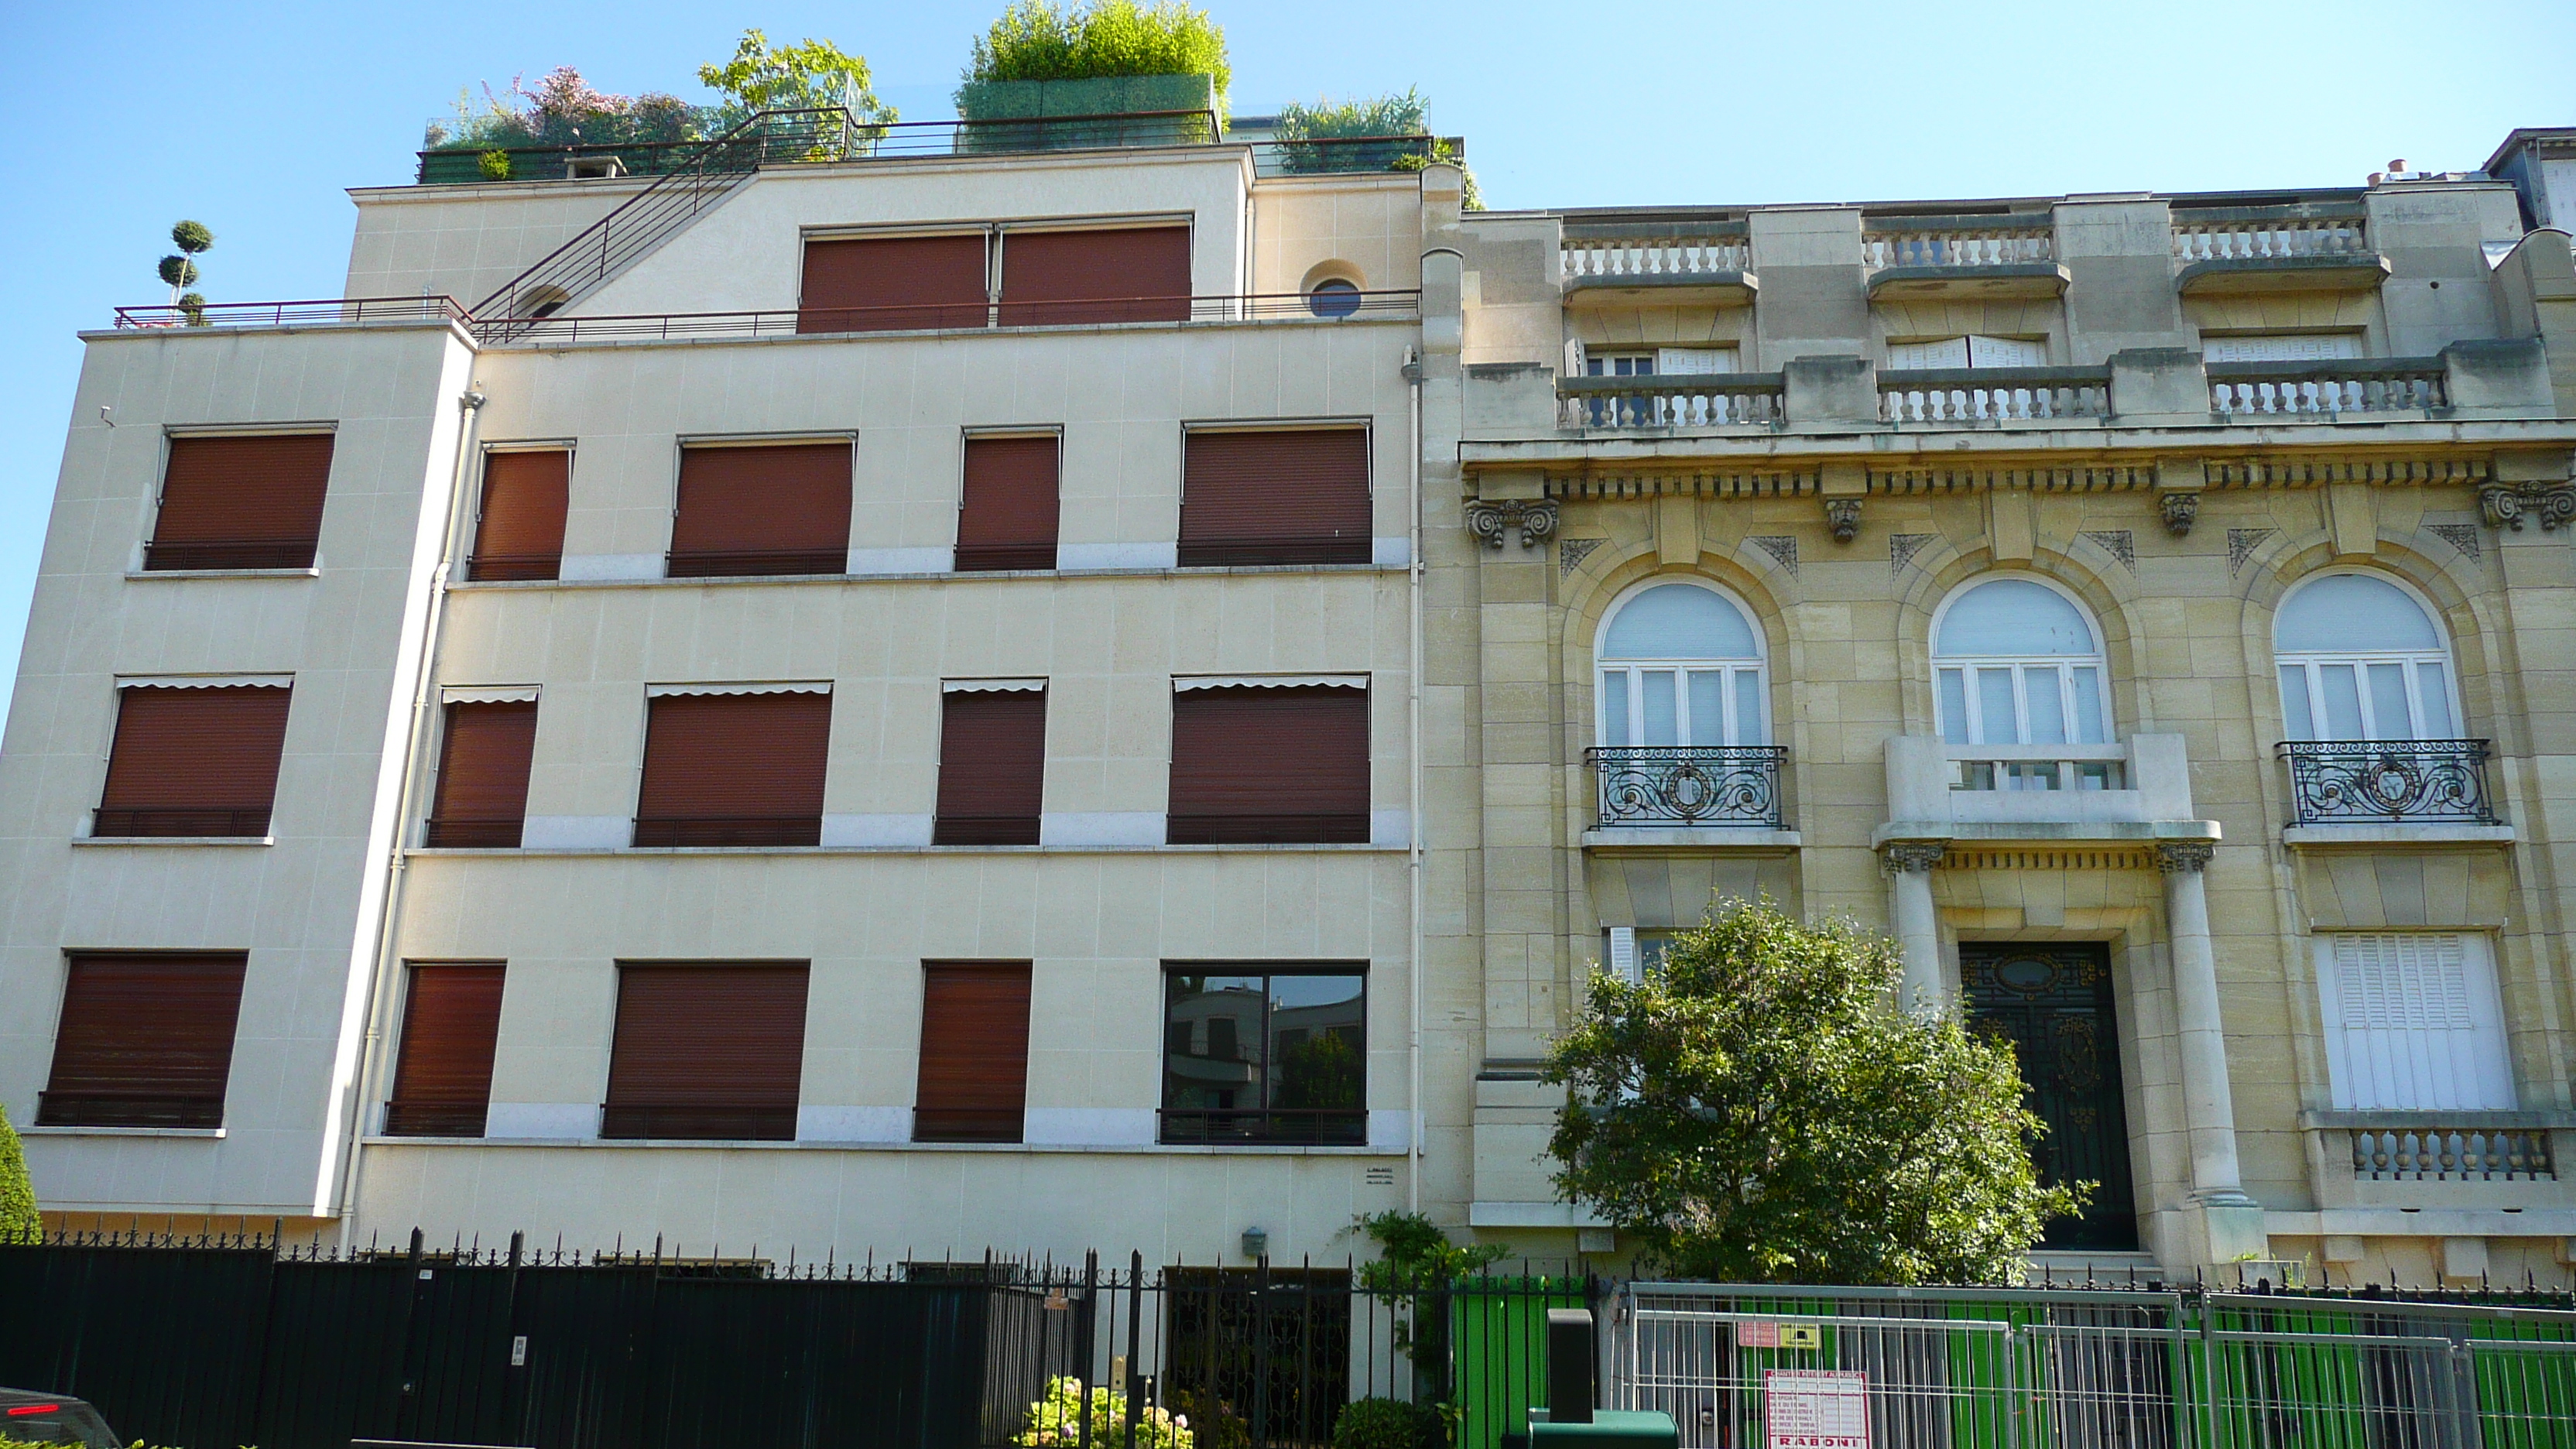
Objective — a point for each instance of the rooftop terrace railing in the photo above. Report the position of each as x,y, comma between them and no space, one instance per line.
562,331
2325,389
1696,400
846,139
2255,234
1620,258
320,312
1993,394
1956,241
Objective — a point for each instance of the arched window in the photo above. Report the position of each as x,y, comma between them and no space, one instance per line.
2016,662
2361,659
1680,665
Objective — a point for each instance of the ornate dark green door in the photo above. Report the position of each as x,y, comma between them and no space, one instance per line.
2053,1003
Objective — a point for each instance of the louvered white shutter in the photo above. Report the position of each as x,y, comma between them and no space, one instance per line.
2006,352
1949,352
2312,347
1690,361
1623,954
2413,1022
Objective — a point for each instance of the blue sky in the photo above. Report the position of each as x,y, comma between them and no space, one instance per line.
123,118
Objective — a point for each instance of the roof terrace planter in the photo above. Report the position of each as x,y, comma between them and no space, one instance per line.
1077,115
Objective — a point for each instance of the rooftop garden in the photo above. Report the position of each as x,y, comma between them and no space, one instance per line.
1042,76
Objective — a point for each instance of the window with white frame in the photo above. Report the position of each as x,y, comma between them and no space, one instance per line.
1636,950
2281,347
2361,659
2017,663
2413,1022
1680,665
1973,350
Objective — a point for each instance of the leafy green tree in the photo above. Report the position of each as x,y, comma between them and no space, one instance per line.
1416,1266
1758,1111
179,269
19,1220
1040,40
810,74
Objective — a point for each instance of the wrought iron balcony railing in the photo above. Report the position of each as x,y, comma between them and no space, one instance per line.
1729,786
2397,782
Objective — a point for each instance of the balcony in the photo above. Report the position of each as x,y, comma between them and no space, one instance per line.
1663,404
2234,250
2328,390
1955,396
1954,257
1658,266
2436,1163
1666,788
2137,792
2452,1154
2388,782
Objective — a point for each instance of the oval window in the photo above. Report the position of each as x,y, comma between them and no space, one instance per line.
1334,297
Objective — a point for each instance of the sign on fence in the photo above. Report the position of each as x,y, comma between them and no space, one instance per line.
1763,1333
1815,1409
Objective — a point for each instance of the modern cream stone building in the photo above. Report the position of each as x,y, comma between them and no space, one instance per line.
961,698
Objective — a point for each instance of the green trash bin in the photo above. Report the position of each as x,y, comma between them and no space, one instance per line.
1625,1428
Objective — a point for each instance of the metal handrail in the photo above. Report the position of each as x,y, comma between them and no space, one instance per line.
561,330
1689,786
319,312
2404,782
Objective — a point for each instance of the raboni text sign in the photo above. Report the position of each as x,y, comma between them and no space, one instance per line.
1815,1409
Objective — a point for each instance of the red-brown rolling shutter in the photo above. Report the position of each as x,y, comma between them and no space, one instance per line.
1287,496
443,1077
146,1040
524,498
241,503
707,1050
1288,765
880,284
992,767
193,761
974,1052
1137,274
1006,514
483,774
734,769
776,509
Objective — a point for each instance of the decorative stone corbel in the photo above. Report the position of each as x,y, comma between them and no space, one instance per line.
1842,515
2178,857
1491,519
2181,511
2504,504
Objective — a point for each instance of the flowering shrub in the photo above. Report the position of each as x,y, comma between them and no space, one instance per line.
1056,1420
563,110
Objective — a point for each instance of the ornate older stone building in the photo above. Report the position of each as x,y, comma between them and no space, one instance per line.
2157,612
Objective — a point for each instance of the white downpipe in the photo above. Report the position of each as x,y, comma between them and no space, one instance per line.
1413,705
406,803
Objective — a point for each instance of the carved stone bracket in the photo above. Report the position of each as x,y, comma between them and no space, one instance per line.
2181,511
1842,515
1536,519
1911,856
2504,504
2178,857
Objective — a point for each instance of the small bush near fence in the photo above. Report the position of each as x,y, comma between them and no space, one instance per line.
1389,1424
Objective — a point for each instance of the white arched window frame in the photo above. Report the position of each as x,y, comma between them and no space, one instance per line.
2355,666
1659,693
2024,713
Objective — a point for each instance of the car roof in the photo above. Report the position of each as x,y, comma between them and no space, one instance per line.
31,1396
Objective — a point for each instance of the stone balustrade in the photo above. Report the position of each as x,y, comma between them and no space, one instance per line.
1970,242
1993,394
2312,389
2231,238
2454,1154
1632,258
1707,400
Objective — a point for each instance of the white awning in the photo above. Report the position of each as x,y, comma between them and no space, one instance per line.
1185,683
657,691
988,686
490,694
207,681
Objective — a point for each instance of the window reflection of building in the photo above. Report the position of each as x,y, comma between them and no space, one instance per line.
1275,1057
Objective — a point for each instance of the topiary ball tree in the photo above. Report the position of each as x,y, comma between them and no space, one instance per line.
19,1220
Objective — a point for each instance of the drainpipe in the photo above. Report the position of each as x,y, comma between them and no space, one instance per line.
406,805
1413,706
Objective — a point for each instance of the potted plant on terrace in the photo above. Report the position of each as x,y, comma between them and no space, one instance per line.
1160,70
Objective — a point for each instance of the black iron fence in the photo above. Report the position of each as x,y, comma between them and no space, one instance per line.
213,1343
1689,785
2407,782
